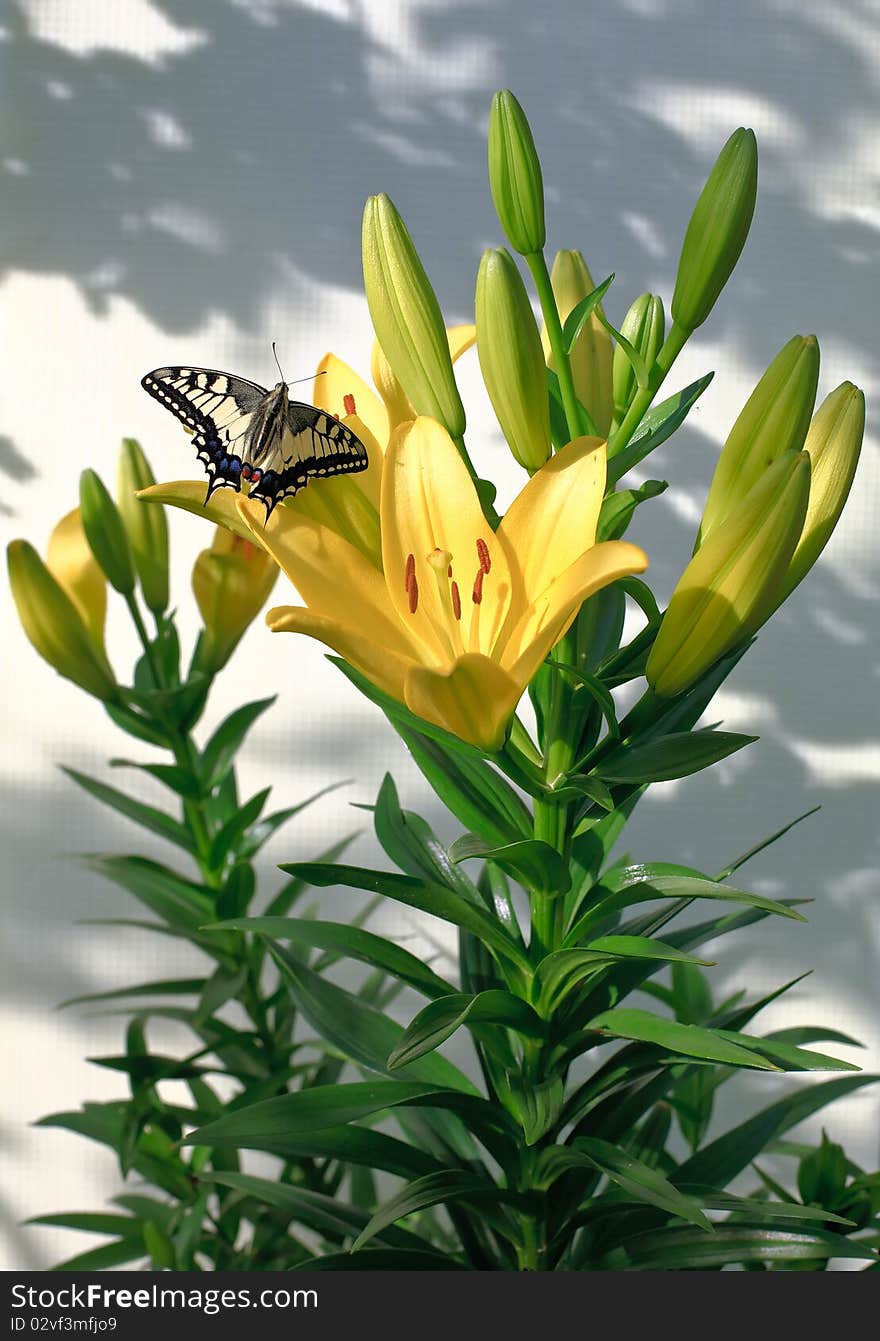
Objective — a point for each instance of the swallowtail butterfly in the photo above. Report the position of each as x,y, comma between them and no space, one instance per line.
242,432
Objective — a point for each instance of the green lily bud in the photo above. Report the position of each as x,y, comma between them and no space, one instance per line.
146,527
734,582
53,624
717,231
515,175
645,327
773,421
231,581
72,564
406,317
593,351
833,443
105,532
511,359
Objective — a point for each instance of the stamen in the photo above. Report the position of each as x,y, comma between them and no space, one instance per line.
483,554
410,584
348,402
478,586
410,570
456,599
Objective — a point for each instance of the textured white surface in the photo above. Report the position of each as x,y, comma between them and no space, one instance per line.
183,182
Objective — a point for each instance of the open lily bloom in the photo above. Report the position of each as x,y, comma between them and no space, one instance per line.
459,618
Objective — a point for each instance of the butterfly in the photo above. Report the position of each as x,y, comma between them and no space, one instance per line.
243,432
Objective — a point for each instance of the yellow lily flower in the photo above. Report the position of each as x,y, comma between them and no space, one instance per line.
459,618
346,504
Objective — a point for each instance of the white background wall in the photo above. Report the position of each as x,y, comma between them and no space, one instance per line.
183,182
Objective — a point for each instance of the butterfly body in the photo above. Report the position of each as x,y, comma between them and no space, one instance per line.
245,433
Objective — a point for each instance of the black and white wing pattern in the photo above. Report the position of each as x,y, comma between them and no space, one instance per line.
242,431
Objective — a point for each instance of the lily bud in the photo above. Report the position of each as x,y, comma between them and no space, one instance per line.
735,580
512,360
593,352
386,383
146,527
231,581
54,625
645,327
833,444
72,564
515,175
105,532
717,231
406,317
773,421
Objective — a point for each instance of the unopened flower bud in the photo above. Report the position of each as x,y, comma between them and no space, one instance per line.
146,526
773,421
515,175
735,580
231,581
406,317
512,360
54,625
717,231
592,354
105,532
644,326
72,564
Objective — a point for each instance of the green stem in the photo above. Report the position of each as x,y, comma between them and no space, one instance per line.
137,620
668,353
541,275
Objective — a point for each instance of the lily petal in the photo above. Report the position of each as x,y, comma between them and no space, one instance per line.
474,699
552,522
461,338
385,668
334,381
429,504
546,621
333,578
190,496
71,562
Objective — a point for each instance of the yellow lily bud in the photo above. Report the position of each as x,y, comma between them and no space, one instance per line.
717,231
72,564
773,421
146,527
515,175
231,581
396,400
512,360
645,327
734,582
833,444
54,625
593,352
406,317
105,532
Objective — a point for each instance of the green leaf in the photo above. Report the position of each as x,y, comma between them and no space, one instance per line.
754,1210
223,985
294,889
359,1031
658,425
788,1058
123,1226
382,1259
668,757
228,835
411,843
765,843
686,1039
220,751
179,780
688,1249
136,724
639,1180
535,864
618,508
562,971
108,1255
720,1161
435,1189
156,821
472,790
580,314
536,1106
440,1019
169,987
352,942
427,896
266,828
235,897
179,902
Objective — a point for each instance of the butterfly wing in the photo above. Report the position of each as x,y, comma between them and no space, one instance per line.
218,409
314,445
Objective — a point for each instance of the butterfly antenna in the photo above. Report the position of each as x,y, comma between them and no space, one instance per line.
275,357
296,380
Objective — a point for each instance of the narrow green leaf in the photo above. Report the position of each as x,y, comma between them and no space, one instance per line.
753,1209
156,821
639,1180
535,864
179,902
618,508
179,780
108,1255
765,843
471,789
435,1189
658,425
227,836
686,1039
411,843
669,757
673,1248
564,970
122,1226
220,751
580,314
170,987
440,1019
